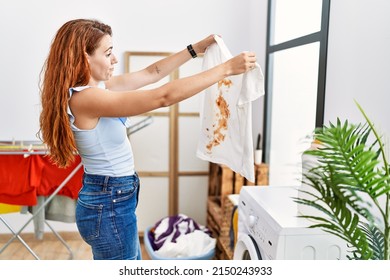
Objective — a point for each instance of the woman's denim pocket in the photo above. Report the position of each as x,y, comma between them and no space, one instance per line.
126,192
88,219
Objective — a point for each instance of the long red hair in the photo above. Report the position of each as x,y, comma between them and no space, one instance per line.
66,66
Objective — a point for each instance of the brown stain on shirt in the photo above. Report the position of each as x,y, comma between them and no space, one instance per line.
225,82
223,115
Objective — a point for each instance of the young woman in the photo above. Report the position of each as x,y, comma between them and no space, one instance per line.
83,112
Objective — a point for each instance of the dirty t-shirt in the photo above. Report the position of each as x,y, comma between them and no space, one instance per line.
226,115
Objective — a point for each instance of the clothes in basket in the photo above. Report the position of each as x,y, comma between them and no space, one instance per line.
180,237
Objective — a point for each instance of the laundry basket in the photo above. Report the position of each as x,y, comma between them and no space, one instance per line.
154,256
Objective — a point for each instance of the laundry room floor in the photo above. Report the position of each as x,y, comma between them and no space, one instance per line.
50,248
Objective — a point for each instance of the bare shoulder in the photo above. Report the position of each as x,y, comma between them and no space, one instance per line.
84,101
96,102
83,106
87,95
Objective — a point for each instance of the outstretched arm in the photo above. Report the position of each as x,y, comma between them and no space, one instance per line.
157,70
92,103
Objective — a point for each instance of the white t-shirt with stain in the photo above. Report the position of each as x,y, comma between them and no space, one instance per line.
226,115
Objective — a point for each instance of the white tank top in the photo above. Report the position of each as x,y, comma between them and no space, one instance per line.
105,149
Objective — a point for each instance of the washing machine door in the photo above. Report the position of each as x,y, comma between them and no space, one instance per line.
246,248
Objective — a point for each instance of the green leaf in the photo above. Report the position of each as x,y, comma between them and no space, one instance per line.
346,184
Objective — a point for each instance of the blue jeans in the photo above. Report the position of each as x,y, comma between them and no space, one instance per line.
105,216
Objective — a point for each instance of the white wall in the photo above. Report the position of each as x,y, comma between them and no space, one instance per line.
358,62
138,25
148,25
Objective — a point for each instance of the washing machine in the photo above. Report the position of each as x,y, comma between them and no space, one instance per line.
269,228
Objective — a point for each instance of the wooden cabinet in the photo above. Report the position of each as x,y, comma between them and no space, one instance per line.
223,182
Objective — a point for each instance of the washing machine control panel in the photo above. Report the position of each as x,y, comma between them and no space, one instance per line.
256,228
260,230
252,220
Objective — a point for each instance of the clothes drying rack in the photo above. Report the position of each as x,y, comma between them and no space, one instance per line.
14,149
31,151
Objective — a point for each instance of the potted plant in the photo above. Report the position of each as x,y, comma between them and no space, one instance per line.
350,187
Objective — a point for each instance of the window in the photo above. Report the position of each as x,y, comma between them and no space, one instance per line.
295,84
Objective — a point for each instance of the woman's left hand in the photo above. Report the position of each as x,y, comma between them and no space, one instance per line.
201,46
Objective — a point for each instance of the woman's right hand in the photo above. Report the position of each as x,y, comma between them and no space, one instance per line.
241,63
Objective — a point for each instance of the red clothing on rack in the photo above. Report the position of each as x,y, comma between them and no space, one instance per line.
52,176
17,186
22,179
